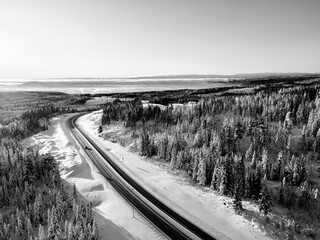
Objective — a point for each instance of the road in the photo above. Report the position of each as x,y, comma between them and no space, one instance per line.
164,218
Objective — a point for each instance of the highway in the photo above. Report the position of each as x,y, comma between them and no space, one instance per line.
164,218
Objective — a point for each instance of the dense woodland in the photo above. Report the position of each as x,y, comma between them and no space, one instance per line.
263,147
34,203
22,112
14,104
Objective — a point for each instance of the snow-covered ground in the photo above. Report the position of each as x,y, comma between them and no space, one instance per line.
201,205
113,214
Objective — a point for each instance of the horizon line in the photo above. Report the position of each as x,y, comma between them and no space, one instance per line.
191,75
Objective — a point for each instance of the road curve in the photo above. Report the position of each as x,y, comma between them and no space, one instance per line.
168,221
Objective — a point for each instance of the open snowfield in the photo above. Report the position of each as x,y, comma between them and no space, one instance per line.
114,215
202,205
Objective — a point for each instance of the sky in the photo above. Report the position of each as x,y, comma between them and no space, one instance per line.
124,38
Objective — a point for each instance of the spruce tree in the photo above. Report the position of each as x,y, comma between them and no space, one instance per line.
41,234
281,165
95,232
1,227
100,129
223,180
265,163
201,175
173,157
237,203
305,199
29,229
54,229
75,193
254,160
71,232
230,178
180,159
240,173
195,166
265,201
215,177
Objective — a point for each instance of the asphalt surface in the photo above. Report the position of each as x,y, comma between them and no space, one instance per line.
164,218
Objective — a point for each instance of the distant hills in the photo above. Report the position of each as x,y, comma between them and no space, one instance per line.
160,83
185,76
238,75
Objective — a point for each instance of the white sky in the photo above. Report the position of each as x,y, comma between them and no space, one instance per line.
117,38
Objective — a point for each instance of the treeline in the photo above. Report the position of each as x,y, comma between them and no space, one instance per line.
236,144
13,104
133,112
34,203
29,122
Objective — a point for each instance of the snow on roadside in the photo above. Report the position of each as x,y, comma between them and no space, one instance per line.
206,208
113,214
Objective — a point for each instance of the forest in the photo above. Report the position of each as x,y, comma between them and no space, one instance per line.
34,202
263,147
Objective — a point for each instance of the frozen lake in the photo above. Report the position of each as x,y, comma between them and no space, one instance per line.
78,86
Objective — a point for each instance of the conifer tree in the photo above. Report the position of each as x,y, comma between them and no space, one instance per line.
54,228
240,174
201,175
237,203
247,189
223,180
238,134
145,143
180,159
20,227
75,193
7,230
60,206
1,227
163,145
41,234
257,182
254,161
288,122
215,177
195,166
94,233
281,165
300,114
173,157
230,178
265,201
265,161
71,233
29,229
100,129
168,153
305,200
66,228
17,201
289,143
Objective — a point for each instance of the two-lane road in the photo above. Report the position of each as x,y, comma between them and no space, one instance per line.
168,221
